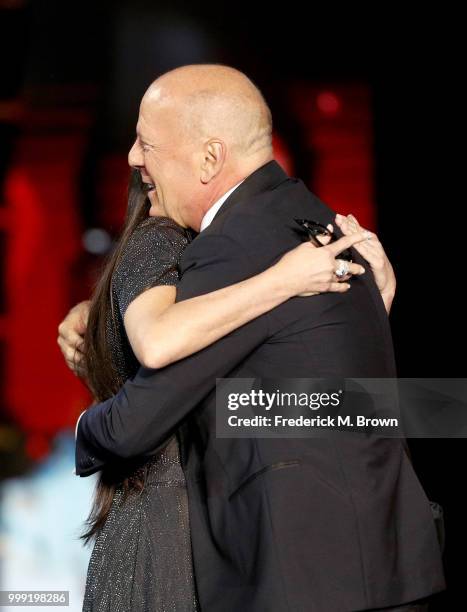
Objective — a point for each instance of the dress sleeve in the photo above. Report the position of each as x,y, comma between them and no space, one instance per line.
150,258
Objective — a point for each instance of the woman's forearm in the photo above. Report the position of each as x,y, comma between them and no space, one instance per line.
162,332
388,297
189,326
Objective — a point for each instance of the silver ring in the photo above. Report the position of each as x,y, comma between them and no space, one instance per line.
342,269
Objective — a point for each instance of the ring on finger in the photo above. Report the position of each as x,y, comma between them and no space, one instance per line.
342,268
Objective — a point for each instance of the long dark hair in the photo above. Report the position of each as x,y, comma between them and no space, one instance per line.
100,372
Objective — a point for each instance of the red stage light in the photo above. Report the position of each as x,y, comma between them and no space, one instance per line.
328,103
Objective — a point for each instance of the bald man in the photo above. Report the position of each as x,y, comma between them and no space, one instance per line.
329,524
201,131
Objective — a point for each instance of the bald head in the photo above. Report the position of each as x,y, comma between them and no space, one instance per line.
214,101
201,130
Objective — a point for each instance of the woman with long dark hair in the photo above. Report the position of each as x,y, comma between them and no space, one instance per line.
141,558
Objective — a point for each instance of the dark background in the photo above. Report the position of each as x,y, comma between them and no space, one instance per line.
72,77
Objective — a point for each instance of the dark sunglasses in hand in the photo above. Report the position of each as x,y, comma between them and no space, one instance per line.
314,229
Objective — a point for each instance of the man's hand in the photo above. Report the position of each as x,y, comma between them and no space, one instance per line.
372,250
71,336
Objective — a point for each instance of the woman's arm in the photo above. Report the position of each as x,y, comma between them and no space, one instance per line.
161,331
372,250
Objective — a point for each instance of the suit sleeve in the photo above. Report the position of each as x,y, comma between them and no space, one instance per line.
150,407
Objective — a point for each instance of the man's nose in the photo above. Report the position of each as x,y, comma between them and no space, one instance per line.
135,156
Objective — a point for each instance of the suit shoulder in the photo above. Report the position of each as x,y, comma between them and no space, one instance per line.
265,215
261,225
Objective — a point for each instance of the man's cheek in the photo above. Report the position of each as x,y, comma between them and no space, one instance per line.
157,209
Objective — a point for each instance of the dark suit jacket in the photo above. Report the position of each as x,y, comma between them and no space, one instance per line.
279,524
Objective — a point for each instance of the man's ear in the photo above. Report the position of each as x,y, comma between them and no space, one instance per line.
214,152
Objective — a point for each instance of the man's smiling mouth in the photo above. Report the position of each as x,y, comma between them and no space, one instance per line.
147,184
147,187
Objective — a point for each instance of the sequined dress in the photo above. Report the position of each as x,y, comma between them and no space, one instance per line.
141,560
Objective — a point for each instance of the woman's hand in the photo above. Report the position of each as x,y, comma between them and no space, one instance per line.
309,270
372,250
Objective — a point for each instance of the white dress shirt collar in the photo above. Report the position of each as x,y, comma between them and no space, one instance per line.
211,213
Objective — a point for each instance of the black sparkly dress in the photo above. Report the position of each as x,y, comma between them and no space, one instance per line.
141,560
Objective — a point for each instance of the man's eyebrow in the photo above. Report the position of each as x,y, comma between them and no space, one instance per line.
142,140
